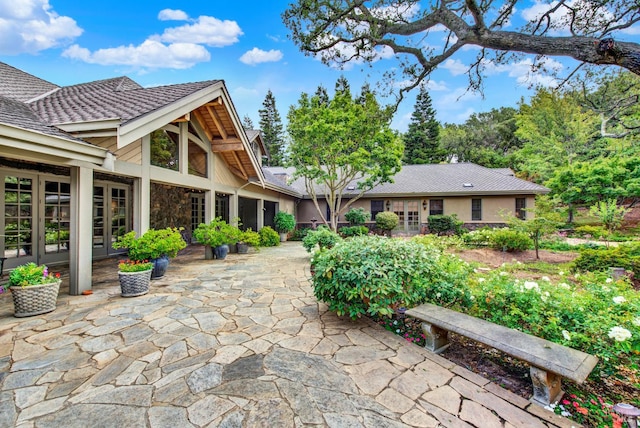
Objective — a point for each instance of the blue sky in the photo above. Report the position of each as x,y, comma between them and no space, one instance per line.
245,43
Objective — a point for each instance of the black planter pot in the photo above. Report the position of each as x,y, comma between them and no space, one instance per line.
242,248
160,266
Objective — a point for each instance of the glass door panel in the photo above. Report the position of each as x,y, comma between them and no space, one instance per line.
18,219
57,217
118,214
413,216
98,219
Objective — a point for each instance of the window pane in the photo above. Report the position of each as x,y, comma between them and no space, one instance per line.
197,160
436,206
476,209
164,149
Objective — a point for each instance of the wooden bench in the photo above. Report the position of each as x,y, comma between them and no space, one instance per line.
549,362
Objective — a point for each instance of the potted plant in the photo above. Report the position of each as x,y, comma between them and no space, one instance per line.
216,237
155,245
134,276
284,223
248,238
34,289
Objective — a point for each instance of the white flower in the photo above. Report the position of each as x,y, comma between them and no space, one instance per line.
529,285
565,414
636,321
545,278
619,299
609,281
438,295
605,289
620,334
566,335
504,273
481,279
561,273
576,276
545,296
564,285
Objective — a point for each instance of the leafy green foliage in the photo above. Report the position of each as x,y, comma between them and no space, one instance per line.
580,312
134,265
269,237
348,231
342,142
300,233
386,220
509,240
284,222
31,274
323,237
610,214
443,224
357,216
626,256
154,243
217,232
250,237
374,275
546,221
590,231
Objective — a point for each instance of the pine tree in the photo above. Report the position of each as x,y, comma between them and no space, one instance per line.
321,93
247,123
271,127
422,140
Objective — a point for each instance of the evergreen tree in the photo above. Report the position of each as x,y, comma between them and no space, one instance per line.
247,123
422,140
272,132
323,96
342,86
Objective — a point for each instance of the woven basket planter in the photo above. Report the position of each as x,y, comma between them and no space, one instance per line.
35,299
134,284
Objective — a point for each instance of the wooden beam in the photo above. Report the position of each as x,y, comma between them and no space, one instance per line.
218,123
185,118
203,122
237,172
240,166
218,101
227,147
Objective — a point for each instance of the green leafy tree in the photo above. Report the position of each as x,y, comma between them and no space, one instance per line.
272,130
355,31
247,123
610,214
555,130
486,138
339,144
422,140
546,220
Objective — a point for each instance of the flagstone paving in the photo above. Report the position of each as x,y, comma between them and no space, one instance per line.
235,343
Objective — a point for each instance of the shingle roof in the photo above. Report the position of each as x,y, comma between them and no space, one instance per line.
21,86
117,98
274,181
18,114
442,179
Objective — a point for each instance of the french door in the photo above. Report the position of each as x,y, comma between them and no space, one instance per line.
111,216
408,216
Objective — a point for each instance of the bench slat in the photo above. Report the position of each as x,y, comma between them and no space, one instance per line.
567,362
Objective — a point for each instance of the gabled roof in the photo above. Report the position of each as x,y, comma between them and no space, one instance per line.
18,85
456,179
117,98
272,181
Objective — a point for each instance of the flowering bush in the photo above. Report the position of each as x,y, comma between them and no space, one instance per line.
405,328
134,265
31,274
592,411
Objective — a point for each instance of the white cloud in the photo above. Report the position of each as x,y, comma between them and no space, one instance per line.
455,67
150,54
524,72
257,56
432,85
30,26
451,100
206,30
172,15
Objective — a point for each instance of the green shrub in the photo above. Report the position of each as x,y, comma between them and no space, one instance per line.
250,237
478,238
599,259
374,275
357,216
269,237
509,240
444,224
580,311
323,237
299,234
217,232
348,231
440,242
386,220
284,222
154,243
589,231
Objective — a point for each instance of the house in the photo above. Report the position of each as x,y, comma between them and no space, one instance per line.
479,196
80,165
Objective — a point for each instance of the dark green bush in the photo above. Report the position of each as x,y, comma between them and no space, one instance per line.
348,231
357,216
444,224
322,237
374,275
299,234
269,237
509,240
601,259
386,220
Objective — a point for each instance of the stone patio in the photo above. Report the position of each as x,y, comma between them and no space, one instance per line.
235,343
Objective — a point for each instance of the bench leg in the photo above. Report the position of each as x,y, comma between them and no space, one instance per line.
437,339
547,386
